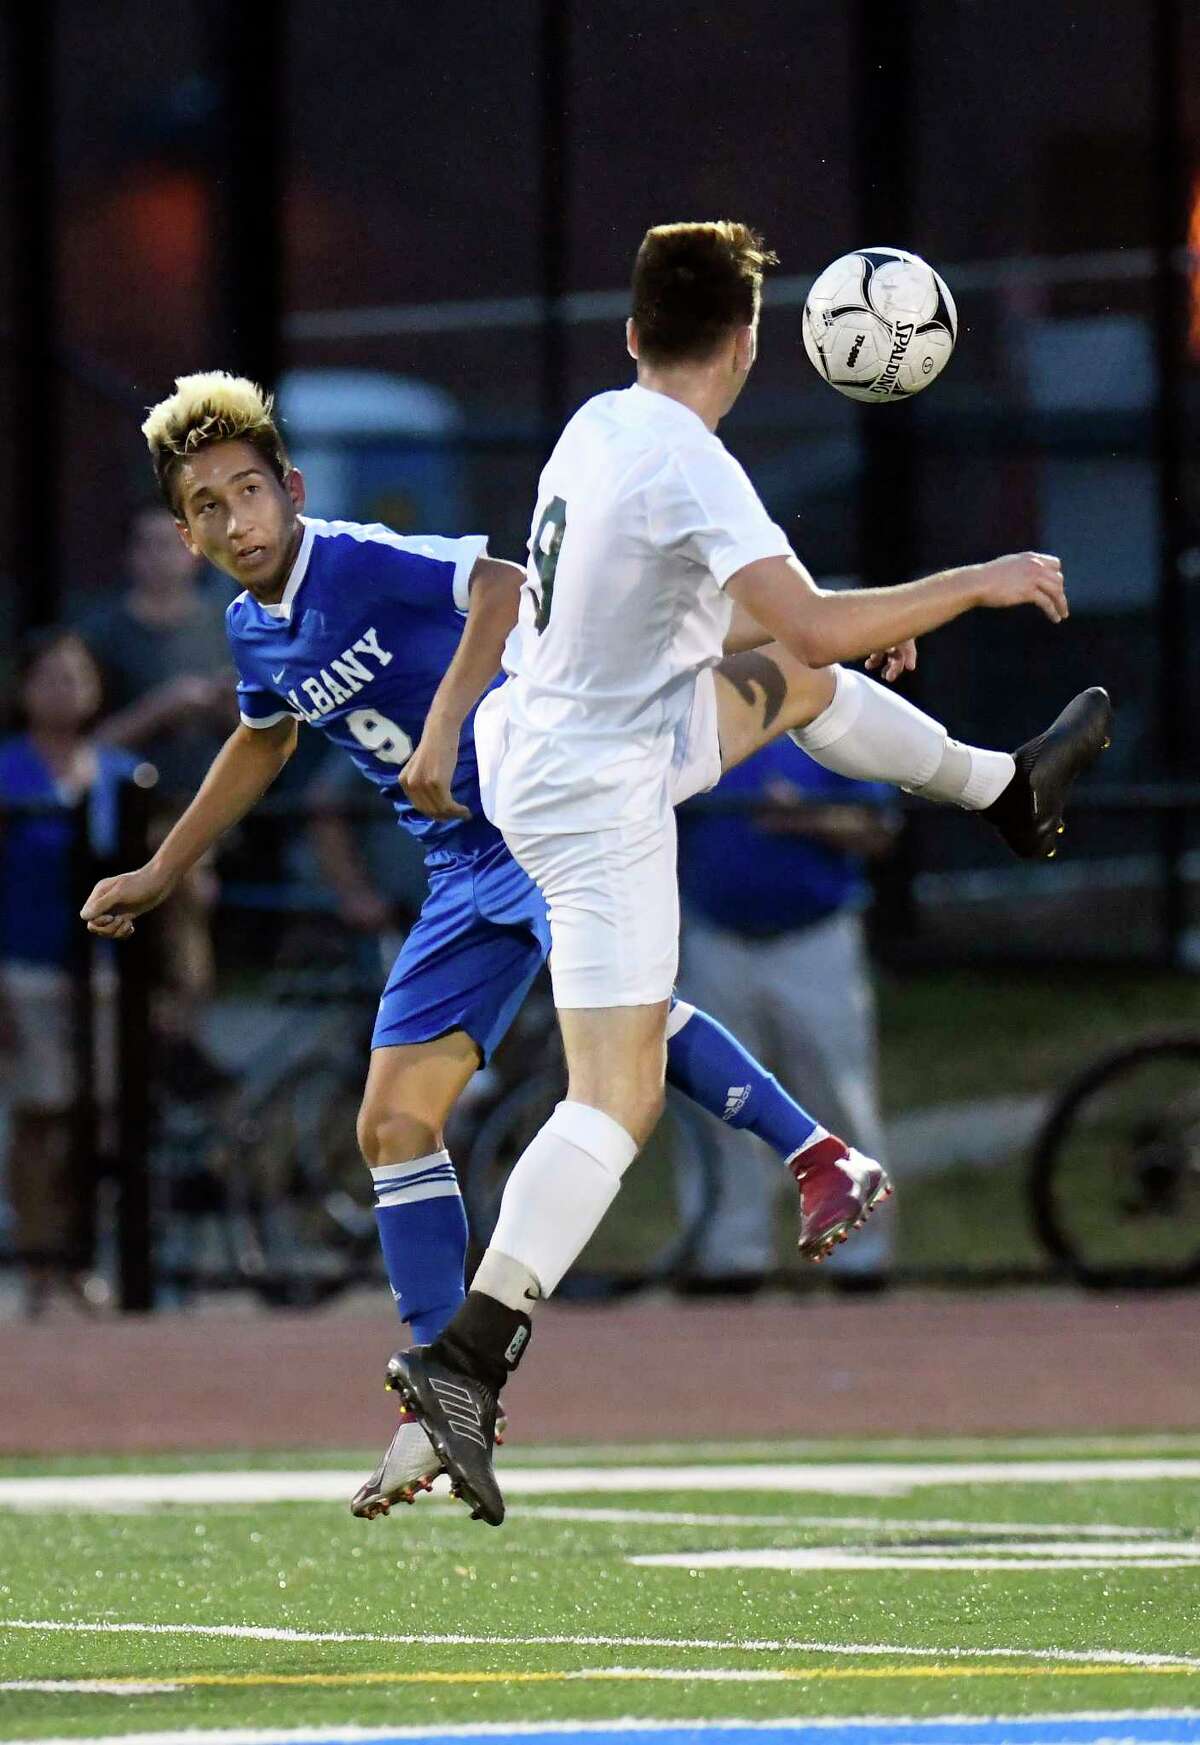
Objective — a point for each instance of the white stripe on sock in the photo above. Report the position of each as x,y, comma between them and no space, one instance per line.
438,1190
418,1178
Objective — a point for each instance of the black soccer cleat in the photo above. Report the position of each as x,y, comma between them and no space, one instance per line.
458,1414
1029,812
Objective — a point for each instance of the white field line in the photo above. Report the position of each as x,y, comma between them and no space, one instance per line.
559,1730
748,1645
87,1687
852,1478
1070,1557
855,1523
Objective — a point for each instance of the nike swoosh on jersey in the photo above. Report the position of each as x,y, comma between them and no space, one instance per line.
277,677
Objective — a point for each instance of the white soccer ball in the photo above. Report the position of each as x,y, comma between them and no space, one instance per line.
880,324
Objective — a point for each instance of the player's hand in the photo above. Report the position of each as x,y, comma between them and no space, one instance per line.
889,663
111,907
427,776
1027,578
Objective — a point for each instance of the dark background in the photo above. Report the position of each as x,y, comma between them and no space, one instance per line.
452,196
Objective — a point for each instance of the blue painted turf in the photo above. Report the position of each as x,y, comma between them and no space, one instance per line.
1037,1730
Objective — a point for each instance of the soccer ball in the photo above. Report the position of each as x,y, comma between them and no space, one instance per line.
879,324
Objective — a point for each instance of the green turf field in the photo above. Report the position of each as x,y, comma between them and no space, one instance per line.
902,1580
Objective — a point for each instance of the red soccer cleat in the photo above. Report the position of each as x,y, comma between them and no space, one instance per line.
839,1187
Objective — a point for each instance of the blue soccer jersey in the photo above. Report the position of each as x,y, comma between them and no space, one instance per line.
368,623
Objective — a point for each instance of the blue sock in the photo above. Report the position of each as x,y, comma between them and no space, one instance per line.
423,1234
711,1067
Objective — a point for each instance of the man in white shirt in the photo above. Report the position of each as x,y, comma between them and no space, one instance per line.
651,555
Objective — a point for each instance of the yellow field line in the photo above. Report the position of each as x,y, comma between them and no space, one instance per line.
649,1674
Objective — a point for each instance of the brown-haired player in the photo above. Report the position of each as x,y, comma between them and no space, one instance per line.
650,555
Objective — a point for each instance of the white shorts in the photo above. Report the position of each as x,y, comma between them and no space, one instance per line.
613,901
613,895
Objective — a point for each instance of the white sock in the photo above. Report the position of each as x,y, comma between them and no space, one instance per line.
968,776
500,1276
562,1185
872,734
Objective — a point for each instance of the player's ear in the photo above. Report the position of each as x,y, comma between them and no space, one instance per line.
631,339
745,348
293,484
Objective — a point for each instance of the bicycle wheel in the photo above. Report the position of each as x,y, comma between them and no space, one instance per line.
644,1240
1114,1180
299,1196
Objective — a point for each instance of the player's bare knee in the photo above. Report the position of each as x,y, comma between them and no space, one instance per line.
394,1135
807,691
771,692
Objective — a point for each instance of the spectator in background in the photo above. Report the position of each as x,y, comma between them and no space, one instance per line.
773,946
170,688
54,762
162,648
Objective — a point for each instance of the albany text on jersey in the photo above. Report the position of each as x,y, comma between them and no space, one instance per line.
367,625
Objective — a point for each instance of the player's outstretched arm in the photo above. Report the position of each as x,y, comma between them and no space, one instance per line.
746,633
494,603
240,774
823,628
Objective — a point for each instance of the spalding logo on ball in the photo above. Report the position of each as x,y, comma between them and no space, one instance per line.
880,324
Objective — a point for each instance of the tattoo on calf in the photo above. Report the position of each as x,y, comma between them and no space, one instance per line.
755,670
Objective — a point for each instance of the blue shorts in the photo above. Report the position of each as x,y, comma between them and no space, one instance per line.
479,941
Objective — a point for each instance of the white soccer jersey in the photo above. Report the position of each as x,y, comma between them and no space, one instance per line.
642,517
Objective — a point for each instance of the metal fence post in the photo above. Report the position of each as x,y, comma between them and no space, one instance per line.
135,1235
881,92
31,259
1169,204
84,1124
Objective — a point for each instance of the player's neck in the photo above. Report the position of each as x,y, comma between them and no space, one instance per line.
696,387
272,592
